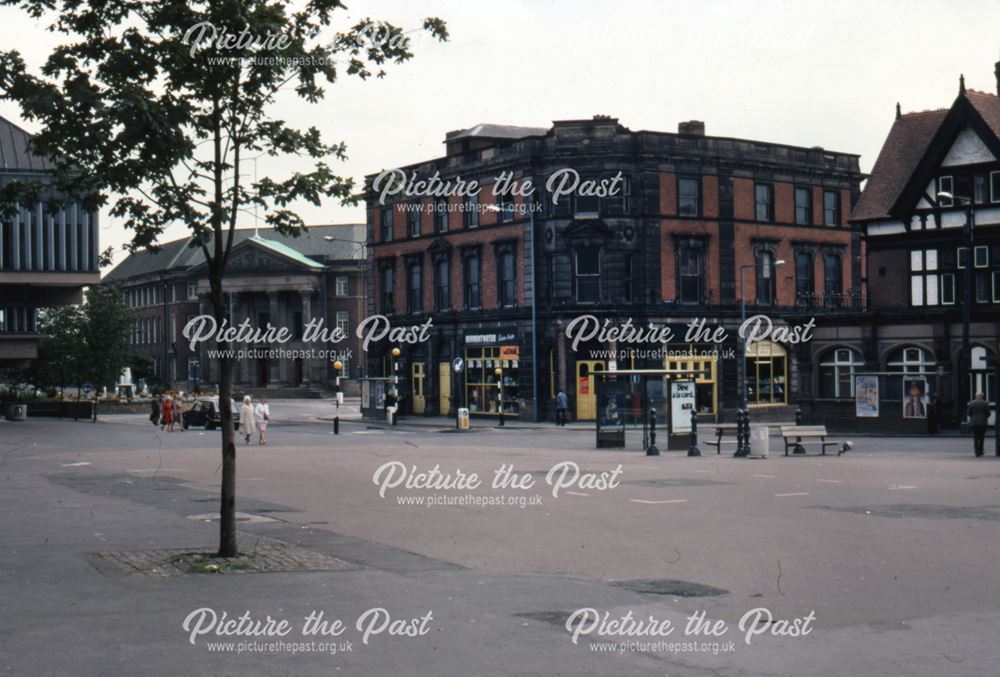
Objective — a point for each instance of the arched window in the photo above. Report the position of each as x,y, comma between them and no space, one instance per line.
913,361
983,379
836,372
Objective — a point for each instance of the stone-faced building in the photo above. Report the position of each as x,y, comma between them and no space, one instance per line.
937,171
689,216
48,251
271,279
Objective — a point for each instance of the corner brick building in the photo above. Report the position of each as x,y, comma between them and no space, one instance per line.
691,215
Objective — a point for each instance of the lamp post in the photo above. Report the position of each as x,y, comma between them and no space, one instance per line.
743,415
965,360
498,372
395,384
337,366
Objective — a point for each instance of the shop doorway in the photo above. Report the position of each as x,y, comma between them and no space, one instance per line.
418,373
586,397
444,388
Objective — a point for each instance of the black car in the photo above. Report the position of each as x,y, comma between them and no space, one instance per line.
206,413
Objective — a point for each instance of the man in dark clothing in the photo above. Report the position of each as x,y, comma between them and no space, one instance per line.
979,415
562,405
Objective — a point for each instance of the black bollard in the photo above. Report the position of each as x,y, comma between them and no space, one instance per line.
336,425
742,433
798,416
652,450
693,449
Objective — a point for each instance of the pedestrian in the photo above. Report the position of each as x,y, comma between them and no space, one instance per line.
167,413
178,412
979,416
261,415
934,414
154,411
247,425
562,406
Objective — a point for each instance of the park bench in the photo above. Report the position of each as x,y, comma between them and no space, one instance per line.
797,435
721,431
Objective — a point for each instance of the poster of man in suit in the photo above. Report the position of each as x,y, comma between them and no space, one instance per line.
914,398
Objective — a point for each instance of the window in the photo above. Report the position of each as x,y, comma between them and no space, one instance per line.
831,208
804,282
913,361
414,291
981,257
948,289
688,196
979,188
341,287
996,286
192,291
689,268
507,286
924,278
832,277
946,185
505,205
442,285
470,215
803,206
764,201
413,219
994,186
387,224
765,278
388,305
588,275
983,379
836,373
621,202
441,216
473,298
343,320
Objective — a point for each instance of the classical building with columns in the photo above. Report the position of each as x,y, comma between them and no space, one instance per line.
292,283
48,251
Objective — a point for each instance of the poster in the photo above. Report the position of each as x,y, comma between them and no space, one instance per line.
914,397
866,396
681,406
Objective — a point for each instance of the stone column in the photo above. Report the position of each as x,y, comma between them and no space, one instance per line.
306,317
277,370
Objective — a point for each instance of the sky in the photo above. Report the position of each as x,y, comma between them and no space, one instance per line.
802,73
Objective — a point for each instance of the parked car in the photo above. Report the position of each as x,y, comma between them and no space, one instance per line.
205,412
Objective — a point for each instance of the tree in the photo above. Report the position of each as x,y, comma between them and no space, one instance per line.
160,103
58,350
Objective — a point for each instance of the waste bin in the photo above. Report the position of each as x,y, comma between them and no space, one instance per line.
463,419
16,412
390,415
760,440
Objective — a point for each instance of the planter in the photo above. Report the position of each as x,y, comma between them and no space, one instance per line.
16,411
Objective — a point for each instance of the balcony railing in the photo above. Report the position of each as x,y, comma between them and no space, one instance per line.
851,302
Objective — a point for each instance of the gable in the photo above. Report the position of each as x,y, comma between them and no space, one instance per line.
968,149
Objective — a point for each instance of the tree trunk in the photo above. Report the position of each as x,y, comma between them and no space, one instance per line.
228,546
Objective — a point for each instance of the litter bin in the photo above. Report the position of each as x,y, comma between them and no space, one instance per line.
760,441
463,419
390,415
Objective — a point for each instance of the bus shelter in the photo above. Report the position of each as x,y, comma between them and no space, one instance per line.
626,398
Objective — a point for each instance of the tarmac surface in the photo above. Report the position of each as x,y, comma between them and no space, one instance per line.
885,555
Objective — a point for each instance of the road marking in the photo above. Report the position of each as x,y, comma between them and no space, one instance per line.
74,465
795,493
831,481
673,500
893,487
767,477
576,493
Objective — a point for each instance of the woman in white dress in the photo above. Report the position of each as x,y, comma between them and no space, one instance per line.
247,425
262,414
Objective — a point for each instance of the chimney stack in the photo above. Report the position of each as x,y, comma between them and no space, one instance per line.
692,127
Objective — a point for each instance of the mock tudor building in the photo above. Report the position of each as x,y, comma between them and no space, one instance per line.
930,214
271,278
48,251
661,227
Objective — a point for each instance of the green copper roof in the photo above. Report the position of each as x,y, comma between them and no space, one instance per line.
285,250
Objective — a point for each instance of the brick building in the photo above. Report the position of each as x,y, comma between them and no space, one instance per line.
271,278
686,215
938,171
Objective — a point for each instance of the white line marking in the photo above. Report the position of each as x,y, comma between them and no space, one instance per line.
674,500
767,477
795,493
73,465
577,493
831,481
893,487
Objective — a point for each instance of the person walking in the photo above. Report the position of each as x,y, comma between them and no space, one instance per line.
247,424
261,415
154,411
167,413
979,416
562,406
178,412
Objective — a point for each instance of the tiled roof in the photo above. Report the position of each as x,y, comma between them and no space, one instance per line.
904,148
14,153
310,248
489,131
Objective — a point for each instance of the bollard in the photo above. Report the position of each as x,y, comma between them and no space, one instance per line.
742,433
652,450
336,425
693,449
798,416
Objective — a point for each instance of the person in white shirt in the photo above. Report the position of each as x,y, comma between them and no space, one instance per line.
261,415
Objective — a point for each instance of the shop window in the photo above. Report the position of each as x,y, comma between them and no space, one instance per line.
766,370
836,373
483,388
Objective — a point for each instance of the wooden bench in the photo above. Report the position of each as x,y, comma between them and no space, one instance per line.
797,435
722,429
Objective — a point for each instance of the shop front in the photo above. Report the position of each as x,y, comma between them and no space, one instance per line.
492,373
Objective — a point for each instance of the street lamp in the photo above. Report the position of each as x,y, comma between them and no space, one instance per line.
498,372
337,366
965,361
743,415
